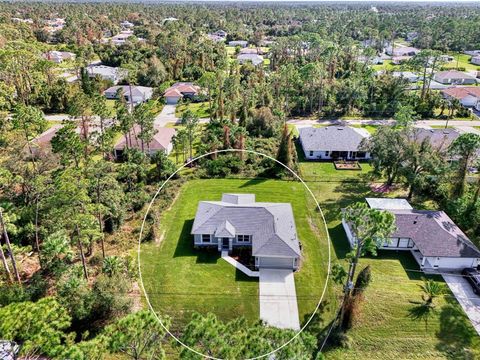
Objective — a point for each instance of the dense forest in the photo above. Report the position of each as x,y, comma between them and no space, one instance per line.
70,214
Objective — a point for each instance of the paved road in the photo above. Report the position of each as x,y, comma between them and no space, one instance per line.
421,123
468,300
469,129
278,299
167,115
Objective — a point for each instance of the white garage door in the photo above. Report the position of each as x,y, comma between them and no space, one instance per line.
276,263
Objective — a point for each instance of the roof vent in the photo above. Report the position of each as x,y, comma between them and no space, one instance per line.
340,128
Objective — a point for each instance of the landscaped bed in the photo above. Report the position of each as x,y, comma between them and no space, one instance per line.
347,165
180,279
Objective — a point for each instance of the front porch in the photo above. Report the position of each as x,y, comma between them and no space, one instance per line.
423,262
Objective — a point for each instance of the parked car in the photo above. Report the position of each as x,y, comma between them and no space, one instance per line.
473,277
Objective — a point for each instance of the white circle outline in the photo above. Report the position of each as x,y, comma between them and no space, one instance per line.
140,240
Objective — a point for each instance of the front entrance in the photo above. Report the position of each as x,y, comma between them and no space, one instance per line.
225,243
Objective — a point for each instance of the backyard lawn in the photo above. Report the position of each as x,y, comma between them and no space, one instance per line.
180,280
200,109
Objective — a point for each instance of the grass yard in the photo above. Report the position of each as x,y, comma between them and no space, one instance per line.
386,328
463,61
200,109
180,279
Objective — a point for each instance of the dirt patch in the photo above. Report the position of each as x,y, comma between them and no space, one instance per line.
136,295
382,188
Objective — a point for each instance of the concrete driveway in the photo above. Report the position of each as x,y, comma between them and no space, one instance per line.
167,115
278,299
464,294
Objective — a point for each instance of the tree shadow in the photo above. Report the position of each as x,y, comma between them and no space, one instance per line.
339,241
185,247
422,312
456,335
253,182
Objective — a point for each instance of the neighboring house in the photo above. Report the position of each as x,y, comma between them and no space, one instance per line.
472,52
139,93
126,24
9,350
377,60
238,221
113,74
468,96
256,51
412,35
180,90
241,43
408,75
454,77
59,56
333,142
218,36
397,60
401,51
434,240
440,139
119,39
445,58
475,60
255,59
162,141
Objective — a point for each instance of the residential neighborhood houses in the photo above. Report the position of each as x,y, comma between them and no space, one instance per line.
255,170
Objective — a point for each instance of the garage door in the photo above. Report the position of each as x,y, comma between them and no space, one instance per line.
276,263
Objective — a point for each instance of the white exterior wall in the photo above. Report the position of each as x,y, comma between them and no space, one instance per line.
276,262
469,101
452,262
322,155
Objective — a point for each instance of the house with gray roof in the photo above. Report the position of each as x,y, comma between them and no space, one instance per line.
138,94
454,77
434,240
238,221
334,142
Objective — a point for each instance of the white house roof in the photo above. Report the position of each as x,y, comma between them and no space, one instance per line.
271,225
332,138
388,204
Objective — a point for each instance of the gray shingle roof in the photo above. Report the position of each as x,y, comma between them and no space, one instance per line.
332,138
434,233
226,229
271,225
439,138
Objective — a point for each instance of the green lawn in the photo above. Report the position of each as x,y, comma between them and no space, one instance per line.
463,61
325,171
200,109
370,128
180,279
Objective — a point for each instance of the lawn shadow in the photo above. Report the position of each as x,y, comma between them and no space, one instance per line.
406,259
253,182
240,276
339,241
185,247
456,335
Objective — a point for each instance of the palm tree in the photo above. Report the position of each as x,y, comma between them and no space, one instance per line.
431,290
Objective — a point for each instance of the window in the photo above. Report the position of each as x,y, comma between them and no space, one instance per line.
243,238
361,154
311,153
327,152
206,238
